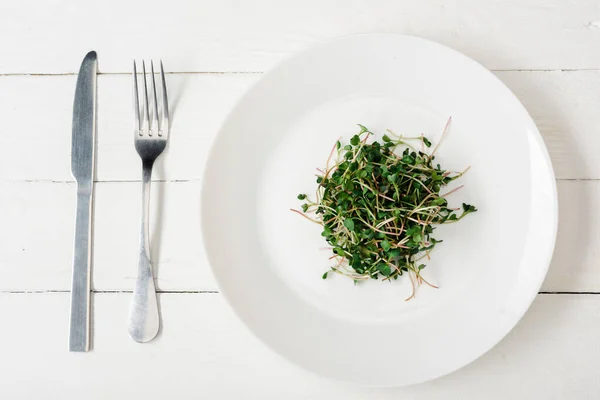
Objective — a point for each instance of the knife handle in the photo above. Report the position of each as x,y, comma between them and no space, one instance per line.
80,289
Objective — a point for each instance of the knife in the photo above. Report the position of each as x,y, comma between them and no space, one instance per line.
82,167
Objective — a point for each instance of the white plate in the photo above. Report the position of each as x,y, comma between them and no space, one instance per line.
268,261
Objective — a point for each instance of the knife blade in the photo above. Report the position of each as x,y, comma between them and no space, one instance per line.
82,168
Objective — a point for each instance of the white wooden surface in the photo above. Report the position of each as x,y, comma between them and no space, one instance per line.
546,51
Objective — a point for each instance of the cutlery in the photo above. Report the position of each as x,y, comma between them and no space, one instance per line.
151,134
82,167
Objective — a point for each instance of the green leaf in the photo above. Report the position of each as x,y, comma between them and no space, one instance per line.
413,230
384,269
468,208
412,244
368,233
394,253
326,232
374,182
407,159
440,201
349,223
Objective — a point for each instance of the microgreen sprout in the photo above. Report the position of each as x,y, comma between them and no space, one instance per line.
378,203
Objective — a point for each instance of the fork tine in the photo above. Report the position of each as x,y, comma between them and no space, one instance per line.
165,103
145,112
136,100
154,120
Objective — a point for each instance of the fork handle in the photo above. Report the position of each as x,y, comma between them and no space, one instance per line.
144,321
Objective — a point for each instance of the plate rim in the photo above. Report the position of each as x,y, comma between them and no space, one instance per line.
539,141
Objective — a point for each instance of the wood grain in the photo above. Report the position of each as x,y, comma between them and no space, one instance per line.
546,51
204,351
206,35
38,227
37,237
37,202
565,107
36,148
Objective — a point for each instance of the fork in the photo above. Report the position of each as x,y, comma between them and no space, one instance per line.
150,138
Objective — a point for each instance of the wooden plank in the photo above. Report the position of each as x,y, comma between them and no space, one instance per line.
38,221
564,106
37,146
38,227
36,139
208,35
205,351
575,263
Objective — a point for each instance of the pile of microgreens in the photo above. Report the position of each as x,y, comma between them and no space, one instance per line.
378,205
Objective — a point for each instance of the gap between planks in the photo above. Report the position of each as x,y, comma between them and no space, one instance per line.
215,292
559,293
100,181
108,291
199,180
9,74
